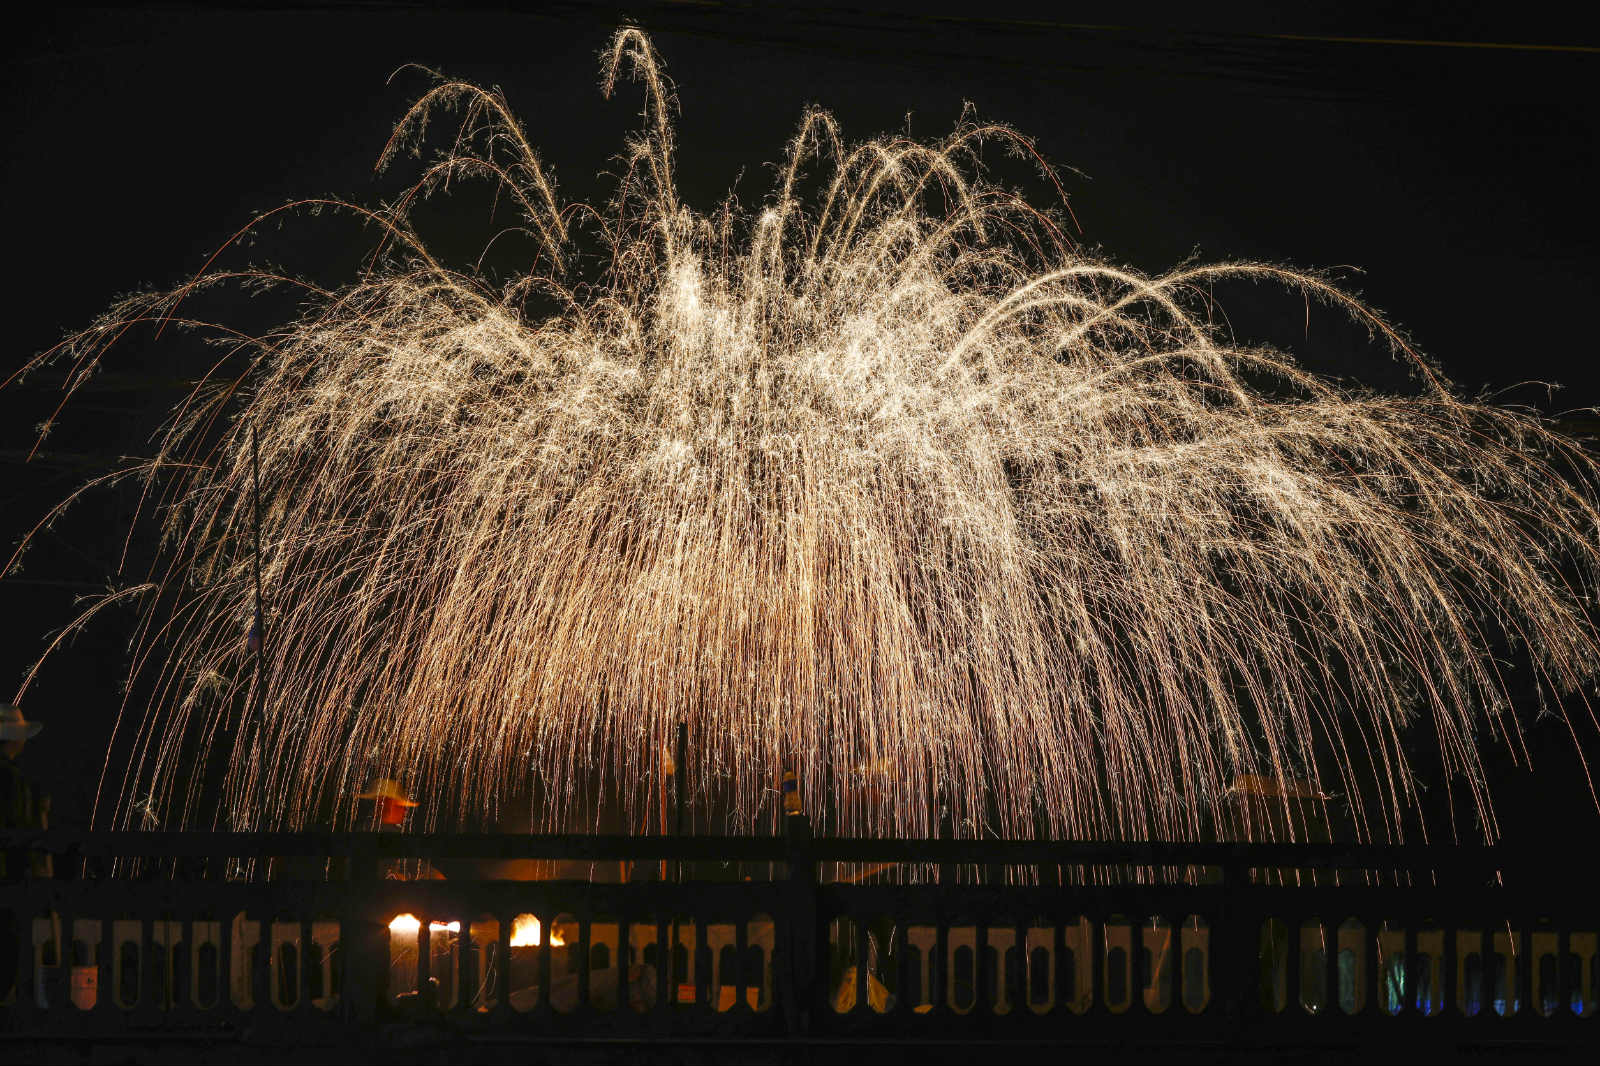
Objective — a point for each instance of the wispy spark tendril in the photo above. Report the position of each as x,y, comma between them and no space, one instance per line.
885,483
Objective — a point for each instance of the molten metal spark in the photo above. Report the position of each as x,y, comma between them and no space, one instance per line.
887,477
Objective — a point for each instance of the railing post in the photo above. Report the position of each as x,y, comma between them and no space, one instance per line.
467,978
425,990
24,990
1486,969
862,949
1235,939
1563,994
1293,991
583,948
805,935
260,967
308,951
362,937
1447,966
153,963
1411,971
504,920
1522,937
1330,963
105,965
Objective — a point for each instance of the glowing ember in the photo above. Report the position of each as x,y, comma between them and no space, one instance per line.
884,474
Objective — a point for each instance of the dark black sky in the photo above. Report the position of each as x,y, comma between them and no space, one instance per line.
1456,174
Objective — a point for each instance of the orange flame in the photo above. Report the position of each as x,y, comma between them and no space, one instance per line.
409,924
525,933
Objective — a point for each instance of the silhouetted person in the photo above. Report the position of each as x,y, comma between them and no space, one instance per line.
23,807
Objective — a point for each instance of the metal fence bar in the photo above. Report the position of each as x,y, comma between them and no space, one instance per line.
1522,950
260,966
1411,970
21,914
1447,968
504,919
467,977
1563,994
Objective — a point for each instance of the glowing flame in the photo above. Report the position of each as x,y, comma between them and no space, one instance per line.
409,925
525,933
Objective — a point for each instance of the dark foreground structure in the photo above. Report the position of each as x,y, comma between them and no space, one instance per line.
1017,950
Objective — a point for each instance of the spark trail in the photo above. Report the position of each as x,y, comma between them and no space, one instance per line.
885,482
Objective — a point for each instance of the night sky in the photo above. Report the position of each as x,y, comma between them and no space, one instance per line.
1451,186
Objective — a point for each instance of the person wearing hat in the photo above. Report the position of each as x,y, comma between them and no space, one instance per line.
23,807
15,730
393,805
393,808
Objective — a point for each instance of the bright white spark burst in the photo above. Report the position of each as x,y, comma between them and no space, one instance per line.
886,484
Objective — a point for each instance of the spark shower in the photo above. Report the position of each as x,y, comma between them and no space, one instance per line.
883,482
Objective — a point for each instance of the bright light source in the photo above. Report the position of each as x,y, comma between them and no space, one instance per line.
409,925
525,933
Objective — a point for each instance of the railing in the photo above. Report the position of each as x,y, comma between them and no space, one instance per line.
1146,943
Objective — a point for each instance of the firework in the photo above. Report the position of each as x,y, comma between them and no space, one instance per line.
884,485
